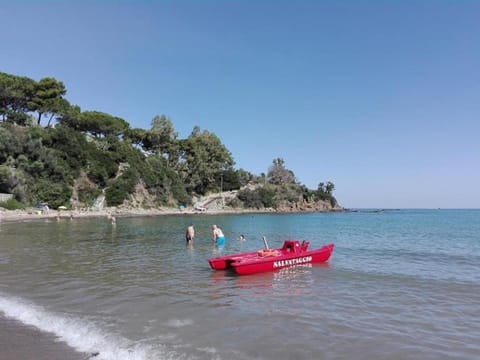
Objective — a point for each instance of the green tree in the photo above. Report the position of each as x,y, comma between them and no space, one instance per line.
329,187
100,124
203,158
15,93
325,192
71,117
69,145
326,188
161,136
48,98
136,136
119,188
53,193
228,180
250,198
245,177
321,188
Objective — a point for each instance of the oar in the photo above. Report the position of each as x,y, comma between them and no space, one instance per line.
265,242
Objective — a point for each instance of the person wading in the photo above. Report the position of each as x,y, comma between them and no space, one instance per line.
190,234
218,237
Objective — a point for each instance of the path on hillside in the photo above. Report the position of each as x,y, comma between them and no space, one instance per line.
216,201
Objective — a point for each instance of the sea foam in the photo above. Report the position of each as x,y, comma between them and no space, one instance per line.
82,335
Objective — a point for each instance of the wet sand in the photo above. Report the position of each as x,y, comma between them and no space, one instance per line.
23,342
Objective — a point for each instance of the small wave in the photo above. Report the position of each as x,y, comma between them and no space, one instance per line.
179,323
79,334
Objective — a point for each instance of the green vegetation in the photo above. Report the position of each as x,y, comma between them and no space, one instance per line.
53,152
12,204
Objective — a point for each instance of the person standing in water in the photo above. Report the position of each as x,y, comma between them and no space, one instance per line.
218,237
189,234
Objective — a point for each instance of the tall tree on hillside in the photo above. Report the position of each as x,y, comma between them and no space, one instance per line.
71,117
48,98
202,161
321,188
326,188
278,174
136,136
329,187
100,124
15,93
161,136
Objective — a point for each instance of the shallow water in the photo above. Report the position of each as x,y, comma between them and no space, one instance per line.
400,284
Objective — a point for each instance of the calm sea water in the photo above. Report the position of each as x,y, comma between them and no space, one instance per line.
400,284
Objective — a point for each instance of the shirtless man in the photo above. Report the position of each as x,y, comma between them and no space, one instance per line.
189,234
218,237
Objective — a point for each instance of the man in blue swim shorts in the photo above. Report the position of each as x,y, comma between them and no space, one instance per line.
218,237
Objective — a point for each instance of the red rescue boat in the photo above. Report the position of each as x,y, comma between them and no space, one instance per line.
292,253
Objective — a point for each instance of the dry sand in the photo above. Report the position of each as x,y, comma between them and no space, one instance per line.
34,214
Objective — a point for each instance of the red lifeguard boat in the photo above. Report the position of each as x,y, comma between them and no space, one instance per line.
292,253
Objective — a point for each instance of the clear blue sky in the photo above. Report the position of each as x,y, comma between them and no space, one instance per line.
380,97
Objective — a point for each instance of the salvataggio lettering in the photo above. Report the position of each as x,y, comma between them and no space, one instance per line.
292,262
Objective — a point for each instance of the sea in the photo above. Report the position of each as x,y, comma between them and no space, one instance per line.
400,284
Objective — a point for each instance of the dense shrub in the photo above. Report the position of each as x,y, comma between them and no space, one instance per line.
263,197
228,180
101,166
178,191
119,189
5,185
288,193
327,197
163,182
70,145
12,181
235,203
12,204
250,198
267,196
46,191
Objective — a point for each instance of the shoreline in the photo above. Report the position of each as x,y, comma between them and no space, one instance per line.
34,214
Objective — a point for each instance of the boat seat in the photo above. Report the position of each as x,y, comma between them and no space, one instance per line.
291,246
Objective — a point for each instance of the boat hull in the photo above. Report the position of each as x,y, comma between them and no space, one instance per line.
291,254
223,262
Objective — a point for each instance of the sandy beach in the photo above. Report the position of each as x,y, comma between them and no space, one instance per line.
35,214
32,214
